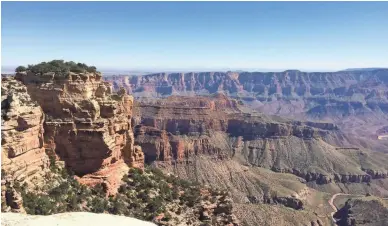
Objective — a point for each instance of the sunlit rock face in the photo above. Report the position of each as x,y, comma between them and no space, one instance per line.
86,125
23,154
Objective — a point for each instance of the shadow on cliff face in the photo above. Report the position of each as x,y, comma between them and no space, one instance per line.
150,153
80,159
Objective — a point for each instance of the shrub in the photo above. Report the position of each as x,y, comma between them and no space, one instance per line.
118,206
60,67
99,205
37,204
157,172
155,205
20,69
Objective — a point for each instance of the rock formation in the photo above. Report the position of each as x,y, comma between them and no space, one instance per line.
86,125
22,154
358,211
11,200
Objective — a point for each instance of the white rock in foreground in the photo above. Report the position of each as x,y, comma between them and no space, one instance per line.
70,219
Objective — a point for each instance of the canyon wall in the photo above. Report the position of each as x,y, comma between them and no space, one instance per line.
86,125
170,132
353,89
22,154
357,101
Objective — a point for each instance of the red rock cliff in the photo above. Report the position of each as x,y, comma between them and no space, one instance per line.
87,126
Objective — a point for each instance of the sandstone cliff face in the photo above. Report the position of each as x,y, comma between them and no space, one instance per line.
22,120
159,145
86,125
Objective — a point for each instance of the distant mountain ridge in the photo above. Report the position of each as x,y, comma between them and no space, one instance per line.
365,69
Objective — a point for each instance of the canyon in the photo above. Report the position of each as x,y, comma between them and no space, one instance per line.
177,128
280,143
356,100
217,141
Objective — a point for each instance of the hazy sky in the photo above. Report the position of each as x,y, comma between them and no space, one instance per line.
197,35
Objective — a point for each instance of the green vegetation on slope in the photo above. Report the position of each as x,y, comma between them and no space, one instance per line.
147,195
58,66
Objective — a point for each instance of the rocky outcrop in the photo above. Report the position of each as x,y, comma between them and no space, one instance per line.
252,127
219,208
357,211
290,202
22,154
11,200
86,125
376,174
159,145
320,178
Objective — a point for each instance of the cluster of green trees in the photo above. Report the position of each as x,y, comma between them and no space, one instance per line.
62,194
60,67
143,194
150,191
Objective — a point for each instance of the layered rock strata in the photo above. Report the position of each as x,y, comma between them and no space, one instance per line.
22,154
355,100
177,128
348,91
86,125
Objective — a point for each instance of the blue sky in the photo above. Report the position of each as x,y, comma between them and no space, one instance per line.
197,35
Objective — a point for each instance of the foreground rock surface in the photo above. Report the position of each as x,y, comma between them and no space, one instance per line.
74,219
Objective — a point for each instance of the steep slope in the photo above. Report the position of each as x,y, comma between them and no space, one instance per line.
261,197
